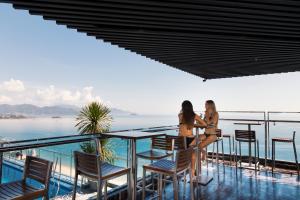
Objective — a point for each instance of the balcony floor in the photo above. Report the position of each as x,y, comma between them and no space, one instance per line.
243,184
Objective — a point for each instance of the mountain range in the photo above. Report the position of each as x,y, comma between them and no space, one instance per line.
58,110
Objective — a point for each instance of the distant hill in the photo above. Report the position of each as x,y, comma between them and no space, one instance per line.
59,110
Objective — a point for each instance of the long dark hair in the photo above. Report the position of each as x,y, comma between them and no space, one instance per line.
188,114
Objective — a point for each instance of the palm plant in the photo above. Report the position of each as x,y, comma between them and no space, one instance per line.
95,118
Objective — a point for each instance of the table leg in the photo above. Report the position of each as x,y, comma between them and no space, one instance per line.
1,163
200,178
133,168
250,151
197,158
129,176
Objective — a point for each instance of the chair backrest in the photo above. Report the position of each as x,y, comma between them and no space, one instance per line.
219,133
245,135
87,164
179,142
162,143
38,169
183,159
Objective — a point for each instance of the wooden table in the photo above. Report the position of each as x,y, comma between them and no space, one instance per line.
249,129
133,137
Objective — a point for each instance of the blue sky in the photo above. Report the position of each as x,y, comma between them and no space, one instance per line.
45,64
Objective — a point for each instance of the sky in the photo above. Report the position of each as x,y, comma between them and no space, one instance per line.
47,64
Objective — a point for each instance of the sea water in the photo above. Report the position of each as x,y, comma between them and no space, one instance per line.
18,129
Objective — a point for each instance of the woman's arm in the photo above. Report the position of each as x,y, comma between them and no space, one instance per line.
179,118
199,120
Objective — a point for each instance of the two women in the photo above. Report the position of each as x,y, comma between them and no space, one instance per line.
187,119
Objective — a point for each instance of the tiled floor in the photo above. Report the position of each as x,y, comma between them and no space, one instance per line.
243,184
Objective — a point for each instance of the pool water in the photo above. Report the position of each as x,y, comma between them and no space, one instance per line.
14,171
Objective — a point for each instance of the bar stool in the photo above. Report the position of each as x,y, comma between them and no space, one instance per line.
173,169
284,140
219,139
248,137
229,140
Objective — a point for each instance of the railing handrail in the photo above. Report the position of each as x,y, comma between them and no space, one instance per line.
79,138
291,112
79,135
235,111
260,120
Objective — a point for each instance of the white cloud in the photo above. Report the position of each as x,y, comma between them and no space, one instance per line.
47,94
88,95
4,99
14,92
13,85
68,96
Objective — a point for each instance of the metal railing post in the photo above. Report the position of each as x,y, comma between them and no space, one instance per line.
268,120
71,165
1,162
128,150
266,139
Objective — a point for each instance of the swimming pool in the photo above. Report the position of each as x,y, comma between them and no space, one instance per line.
13,171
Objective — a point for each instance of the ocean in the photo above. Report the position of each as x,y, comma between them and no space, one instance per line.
17,129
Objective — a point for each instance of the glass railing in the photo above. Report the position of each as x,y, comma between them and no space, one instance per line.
60,149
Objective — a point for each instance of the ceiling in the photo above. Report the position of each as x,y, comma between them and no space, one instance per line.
208,38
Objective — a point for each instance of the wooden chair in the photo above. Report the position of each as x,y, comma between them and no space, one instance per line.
36,169
173,169
161,147
246,136
285,140
179,143
91,166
